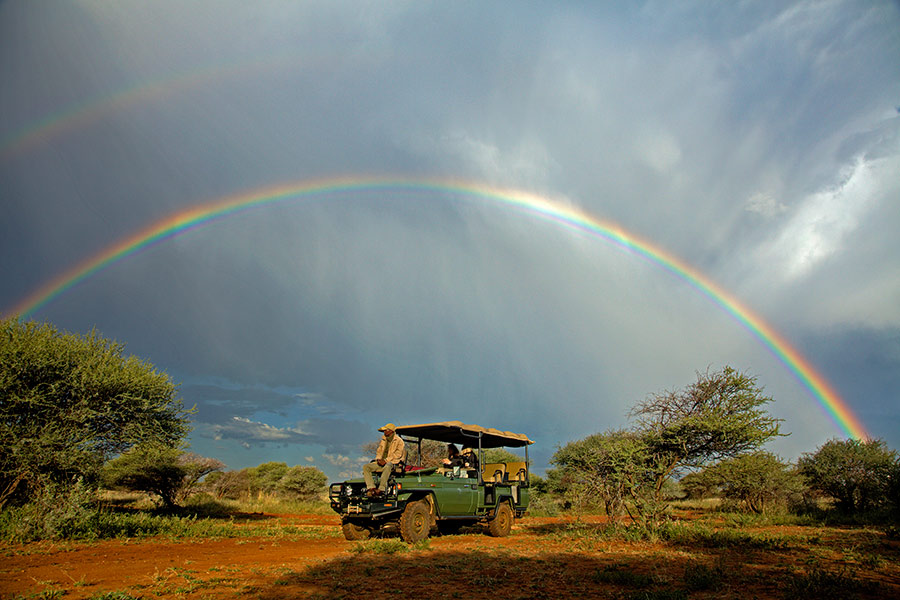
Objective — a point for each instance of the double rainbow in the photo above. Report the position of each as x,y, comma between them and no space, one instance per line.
539,206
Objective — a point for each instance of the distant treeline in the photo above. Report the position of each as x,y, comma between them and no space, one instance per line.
76,413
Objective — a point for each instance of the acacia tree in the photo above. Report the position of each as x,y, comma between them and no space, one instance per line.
721,415
609,467
169,473
68,402
302,482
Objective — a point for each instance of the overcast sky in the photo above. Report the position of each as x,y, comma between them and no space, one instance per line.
758,142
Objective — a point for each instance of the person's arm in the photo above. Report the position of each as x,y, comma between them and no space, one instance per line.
379,452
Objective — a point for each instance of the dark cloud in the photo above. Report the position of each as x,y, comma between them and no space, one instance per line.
755,142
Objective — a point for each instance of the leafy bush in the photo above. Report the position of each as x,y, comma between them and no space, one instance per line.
272,479
757,482
302,482
169,473
720,416
858,474
71,401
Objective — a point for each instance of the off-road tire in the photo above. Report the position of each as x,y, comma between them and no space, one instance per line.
415,522
501,524
354,532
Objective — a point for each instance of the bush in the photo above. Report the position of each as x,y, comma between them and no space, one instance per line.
268,479
304,483
169,473
859,474
71,401
757,482
59,511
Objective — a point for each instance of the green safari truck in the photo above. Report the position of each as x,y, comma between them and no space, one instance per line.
419,499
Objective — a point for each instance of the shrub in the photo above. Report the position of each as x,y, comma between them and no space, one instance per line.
304,483
169,473
757,482
70,402
858,474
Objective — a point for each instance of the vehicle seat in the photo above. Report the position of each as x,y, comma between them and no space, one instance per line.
516,471
494,472
400,467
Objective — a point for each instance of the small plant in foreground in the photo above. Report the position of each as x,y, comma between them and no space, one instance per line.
114,595
380,547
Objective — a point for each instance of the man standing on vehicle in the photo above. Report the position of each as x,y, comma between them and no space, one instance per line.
390,453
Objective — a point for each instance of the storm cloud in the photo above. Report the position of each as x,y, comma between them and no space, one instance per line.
759,143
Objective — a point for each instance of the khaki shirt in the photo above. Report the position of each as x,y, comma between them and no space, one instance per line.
395,451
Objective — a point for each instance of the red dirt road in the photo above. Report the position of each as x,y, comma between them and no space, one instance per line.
541,559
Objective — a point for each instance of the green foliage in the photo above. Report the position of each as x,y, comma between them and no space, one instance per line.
302,482
826,585
698,485
858,474
265,477
501,455
69,402
758,482
169,473
271,479
609,467
719,416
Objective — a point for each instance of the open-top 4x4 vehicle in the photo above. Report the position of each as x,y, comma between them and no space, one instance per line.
419,499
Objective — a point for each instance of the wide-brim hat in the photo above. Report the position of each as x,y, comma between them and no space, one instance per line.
390,426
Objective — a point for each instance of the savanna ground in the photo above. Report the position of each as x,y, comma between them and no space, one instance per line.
701,554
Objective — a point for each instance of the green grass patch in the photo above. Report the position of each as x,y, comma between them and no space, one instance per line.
393,546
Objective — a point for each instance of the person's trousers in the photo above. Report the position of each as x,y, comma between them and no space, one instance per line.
373,467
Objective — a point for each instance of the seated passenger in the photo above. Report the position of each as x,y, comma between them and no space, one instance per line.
470,460
454,458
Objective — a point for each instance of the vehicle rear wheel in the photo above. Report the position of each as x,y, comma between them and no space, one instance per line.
354,532
415,522
501,524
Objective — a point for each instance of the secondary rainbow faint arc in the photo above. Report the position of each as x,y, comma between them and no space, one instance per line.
535,204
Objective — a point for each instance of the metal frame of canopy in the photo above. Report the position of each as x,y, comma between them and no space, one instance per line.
457,432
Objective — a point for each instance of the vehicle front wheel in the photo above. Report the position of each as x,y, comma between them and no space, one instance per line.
501,524
354,532
415,522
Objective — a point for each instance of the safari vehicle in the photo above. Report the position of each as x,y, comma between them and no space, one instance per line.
420,499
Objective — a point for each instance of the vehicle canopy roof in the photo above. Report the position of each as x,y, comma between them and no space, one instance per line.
456,432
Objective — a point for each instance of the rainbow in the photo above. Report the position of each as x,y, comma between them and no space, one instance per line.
536,205
79,115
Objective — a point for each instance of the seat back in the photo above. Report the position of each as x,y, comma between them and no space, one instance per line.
516,471
493,472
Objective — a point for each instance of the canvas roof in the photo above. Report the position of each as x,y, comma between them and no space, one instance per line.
456,432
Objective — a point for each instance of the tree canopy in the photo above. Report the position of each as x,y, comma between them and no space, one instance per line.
721,415
858,474
169,473
68,402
